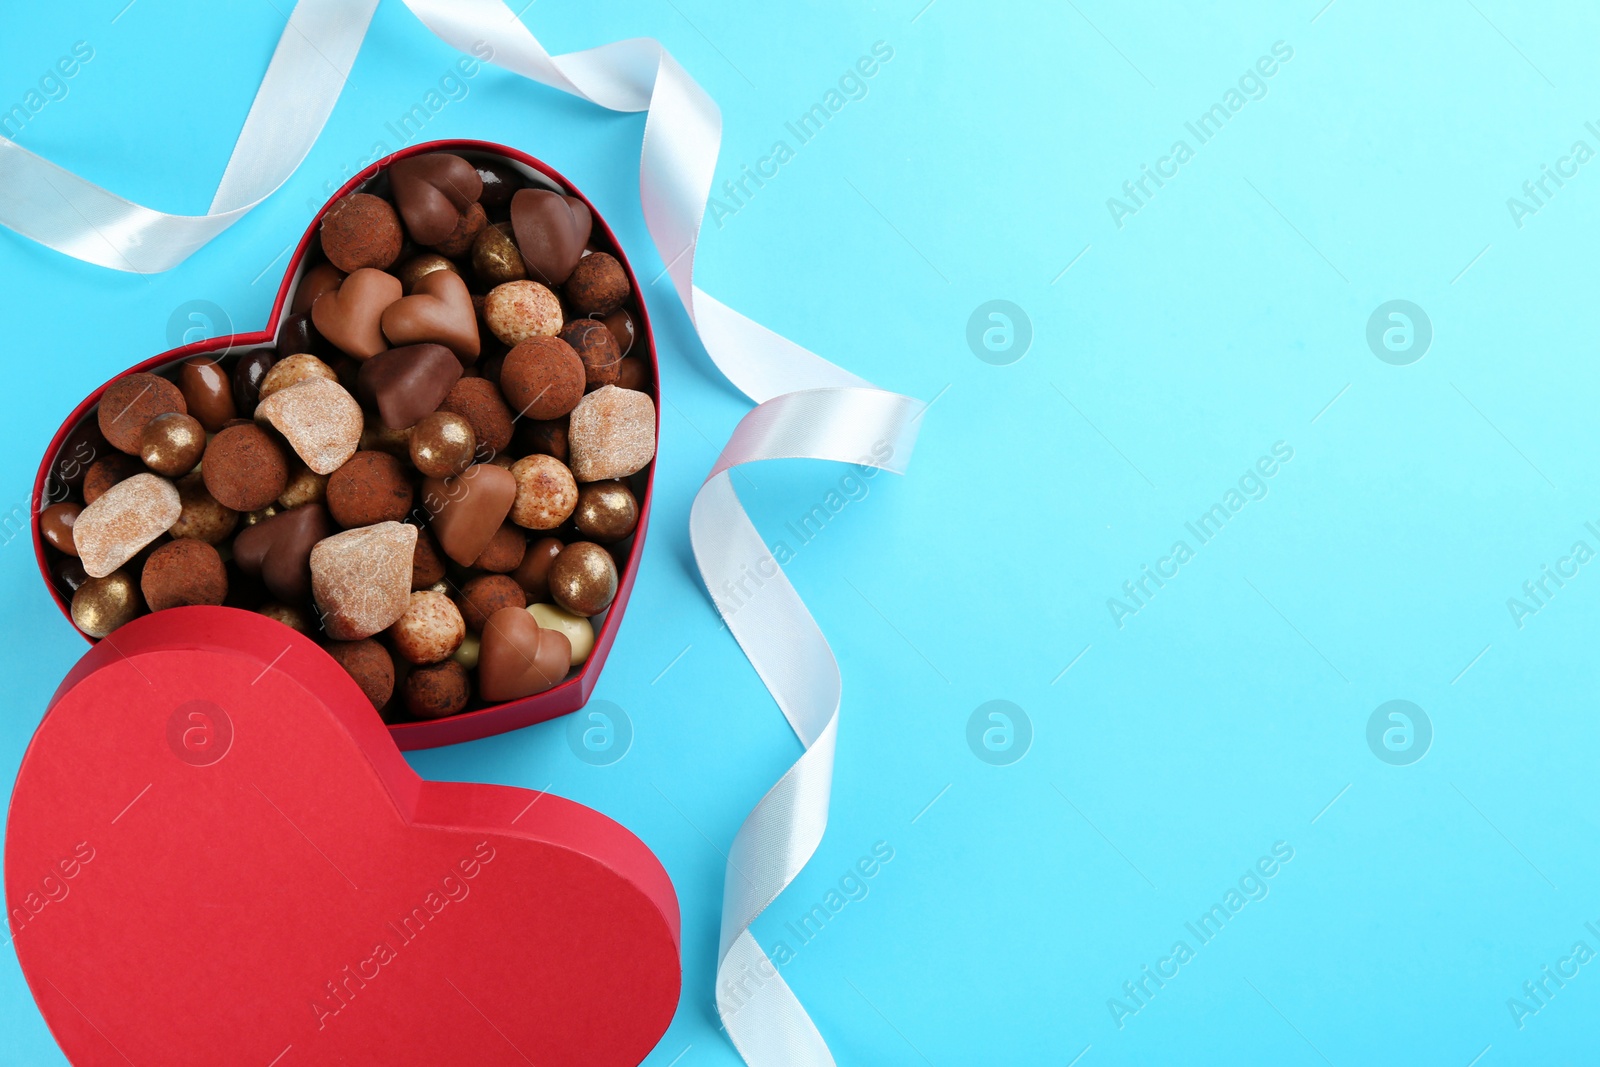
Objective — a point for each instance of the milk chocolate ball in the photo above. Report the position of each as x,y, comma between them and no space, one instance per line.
598,285
436,691
55,525
182,574
172,444
583,579
443,444
102,604
606,511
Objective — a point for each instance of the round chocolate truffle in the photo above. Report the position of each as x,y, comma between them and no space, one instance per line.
369,664
55,525
606,511
597,348
546,492
583,579
479,402
182,574
598,285
361,230
130,402
436,691
482,597
443,444
102,604
245,468
542,378
108,471
430,630
427,563
533,574
172,443
371,487
505,551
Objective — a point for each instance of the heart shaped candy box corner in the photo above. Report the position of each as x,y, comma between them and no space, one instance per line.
522,243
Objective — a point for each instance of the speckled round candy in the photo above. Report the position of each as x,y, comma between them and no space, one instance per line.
132,401
521,310
203,518
431,629
546,492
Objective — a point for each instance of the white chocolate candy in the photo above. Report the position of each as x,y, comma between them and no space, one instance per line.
123,520
579,630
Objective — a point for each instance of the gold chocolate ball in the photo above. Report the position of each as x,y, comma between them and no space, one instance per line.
102,604
583,579
442,444
495,257
172,443
292,617
305,486
413,269
606,511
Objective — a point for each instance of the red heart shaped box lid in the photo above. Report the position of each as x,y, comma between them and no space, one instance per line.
216,854
479,722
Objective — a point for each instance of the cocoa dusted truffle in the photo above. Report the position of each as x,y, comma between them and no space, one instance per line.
505,551
371,488
542,378
602,359
436,691
182,574
245,468
361,230
482,597
107,471
598,285
370,664
427,562
479,402
131,402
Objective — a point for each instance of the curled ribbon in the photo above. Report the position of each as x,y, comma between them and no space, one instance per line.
807,408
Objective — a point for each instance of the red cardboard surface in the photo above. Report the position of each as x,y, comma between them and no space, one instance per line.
216,854
571,694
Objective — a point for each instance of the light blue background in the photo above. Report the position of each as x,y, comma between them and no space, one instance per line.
1222,318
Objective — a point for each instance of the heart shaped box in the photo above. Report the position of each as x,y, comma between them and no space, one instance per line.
215,854
470,725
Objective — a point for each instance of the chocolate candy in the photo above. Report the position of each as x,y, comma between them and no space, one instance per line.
469,508
207,392
546,492
202,518
620,323
499,183
483,596
361,579
598,285
427,562
292,370
430,631
533,573
102,604
245,468
55,524
583,579
518,657
520,311
606,511
371,488
132,401
172,444
408,383
612,434
438,690
305,486
442,444
321,421
481,404
351,316
542,378
551,231
504,552
416,268
108,471
467,228
369,664
182,574
595,346
124,519
548,438
578,630
248,374
313,283
438,310
278,550
432,191
495,258
632,373
361,231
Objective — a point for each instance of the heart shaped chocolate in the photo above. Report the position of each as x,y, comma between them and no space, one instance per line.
351,316
278,550
432,191
469,508
212,806
438,310
551,232
518,657
408,383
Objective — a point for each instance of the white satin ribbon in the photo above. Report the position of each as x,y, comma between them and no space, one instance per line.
807,407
